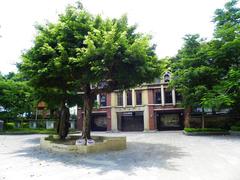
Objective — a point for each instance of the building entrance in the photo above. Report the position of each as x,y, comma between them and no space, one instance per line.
130,121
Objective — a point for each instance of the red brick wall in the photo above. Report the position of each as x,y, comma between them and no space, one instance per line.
109,99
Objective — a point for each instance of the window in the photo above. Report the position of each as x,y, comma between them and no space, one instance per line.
138,97
168,96
178,97
158,99
103,100
120,99
129,98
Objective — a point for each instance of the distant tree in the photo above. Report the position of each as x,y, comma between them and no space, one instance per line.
15,96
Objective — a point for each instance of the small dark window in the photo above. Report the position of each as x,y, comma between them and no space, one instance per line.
138,97
103,100
120,99
158,99
178,97
129,97
168,96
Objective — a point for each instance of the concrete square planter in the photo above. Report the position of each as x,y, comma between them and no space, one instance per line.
103,143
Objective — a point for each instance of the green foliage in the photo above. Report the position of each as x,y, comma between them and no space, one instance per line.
204,130
207,73
114,56
47,64
24,125
225,54
235,128
9,126
86,53
16,96
81,49
192,75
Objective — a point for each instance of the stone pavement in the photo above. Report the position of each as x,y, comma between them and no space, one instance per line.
168,155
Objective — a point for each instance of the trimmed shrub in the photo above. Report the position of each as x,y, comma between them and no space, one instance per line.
25,125
237,124
9,126
204,130
235,128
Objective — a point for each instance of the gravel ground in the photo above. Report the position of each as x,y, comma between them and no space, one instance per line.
160,155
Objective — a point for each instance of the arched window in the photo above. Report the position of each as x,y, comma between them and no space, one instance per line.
167,77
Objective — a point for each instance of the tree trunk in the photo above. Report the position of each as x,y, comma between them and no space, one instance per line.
203,119
63,124
88,101
187,117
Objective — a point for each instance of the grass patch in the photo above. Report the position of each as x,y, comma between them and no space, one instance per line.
235,128
204,130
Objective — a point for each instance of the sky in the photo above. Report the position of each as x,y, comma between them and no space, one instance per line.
166,20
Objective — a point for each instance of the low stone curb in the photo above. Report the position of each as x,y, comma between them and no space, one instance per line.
234,133
204,133
108,144
25,133
17,133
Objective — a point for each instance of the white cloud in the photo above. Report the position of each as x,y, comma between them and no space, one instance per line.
167,21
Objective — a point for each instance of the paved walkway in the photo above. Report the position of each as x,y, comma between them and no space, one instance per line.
160,155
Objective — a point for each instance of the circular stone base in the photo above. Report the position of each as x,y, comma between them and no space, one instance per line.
103,143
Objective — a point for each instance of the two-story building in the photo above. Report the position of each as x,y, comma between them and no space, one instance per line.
148,107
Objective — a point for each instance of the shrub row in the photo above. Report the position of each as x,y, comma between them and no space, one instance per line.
235,128
204,130
9,126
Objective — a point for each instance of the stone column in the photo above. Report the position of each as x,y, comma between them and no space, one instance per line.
174,97
98,99
162,95
133,98
146,118
124,99
114,119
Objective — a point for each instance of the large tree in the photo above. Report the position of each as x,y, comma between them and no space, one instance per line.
91,55
193,75
207,73
114,57
47,64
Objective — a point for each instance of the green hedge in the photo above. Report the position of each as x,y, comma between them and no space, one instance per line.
9,126
235,128
204,130
25,125
30,131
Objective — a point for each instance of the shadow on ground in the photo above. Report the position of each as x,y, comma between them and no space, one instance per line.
137,155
